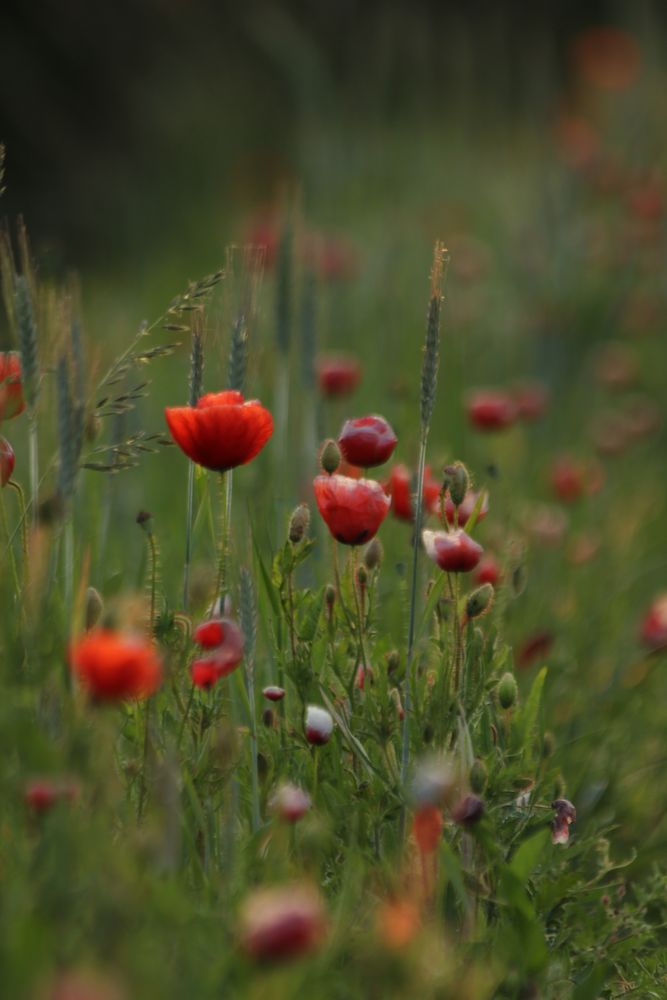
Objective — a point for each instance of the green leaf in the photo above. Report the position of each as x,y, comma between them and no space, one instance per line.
589,988
526,858
527,719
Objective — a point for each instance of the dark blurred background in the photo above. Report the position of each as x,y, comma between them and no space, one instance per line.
130,126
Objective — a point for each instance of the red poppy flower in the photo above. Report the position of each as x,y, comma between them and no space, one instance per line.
6,461
534,648
11,390
42,794
115,667
567,479
488,571
221,431
452,551
427,828
367,441
224,642
273,692
531,400
607,57
654,625
490,409
352,509
282,923
467,507
338,375
399,488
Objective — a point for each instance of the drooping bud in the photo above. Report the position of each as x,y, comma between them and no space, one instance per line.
479,601
94,606
457,481
319,725
145,521
373,554
478,776
330,456
468,811
299,523
507,691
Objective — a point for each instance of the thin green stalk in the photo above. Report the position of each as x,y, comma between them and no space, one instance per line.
23,525
69,562
144,762
188,536
34,466
225,483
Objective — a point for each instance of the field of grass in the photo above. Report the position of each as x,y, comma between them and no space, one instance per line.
164,838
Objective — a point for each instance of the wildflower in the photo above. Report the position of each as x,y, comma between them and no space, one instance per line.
607,57
466,508
488,570
491,409
6,461
567,479
224,643
221,431
290,803
273,693
534,648
11,389
399,488
353,509
367,441
566,814
338,375
453,551
282,923
531,400
654,626
468,811
319,725
114,667
41,794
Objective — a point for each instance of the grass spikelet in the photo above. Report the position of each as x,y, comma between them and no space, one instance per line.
196,382
431,361
27,339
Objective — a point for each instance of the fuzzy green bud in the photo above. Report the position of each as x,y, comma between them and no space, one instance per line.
478,776
330,596
145,521
299,523
479,601
457,481
362,576
94,606
507,691
373,554
330,456
393,661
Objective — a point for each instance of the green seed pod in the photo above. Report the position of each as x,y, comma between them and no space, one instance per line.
94,606
507,691
299,523
330,456
457,481
478,776
479,601
373,554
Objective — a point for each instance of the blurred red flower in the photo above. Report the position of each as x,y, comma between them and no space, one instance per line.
654,626
531,400
41,794
490,409
467,507
337,375
225,643
367,441
115,667
488,570
453,551
282,923
607,57
6,461
567,479
427,828
221,431
11,390
534,648
352,509
399,488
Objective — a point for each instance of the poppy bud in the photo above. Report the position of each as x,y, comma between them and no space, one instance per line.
319,725
479,601
457,481
362,576
274,693
290,803
330,456
373,554
468,811
94,607
298,524
145,521
393,661
507,691
282,922
478,776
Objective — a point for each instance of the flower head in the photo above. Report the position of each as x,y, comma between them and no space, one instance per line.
221,431
367,441
654,625
11,390
290,803
41,794
491,409
282,922
6,461
453,551
319,725
566,814
353,509
338,375
115,667
399,488
224,643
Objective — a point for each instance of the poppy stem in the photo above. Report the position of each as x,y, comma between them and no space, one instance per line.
360,624
23,524
186,715
144,763
188,536
225,483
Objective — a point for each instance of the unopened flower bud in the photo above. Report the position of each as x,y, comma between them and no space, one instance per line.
393,661
94,606
457,481
479,601
362,576
330,597
468,811
268,718
330,456
478,776
290,803
299,523
145,521
373,554
319,725
507,691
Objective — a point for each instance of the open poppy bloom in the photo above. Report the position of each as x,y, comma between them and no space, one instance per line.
338,375
490,409
607,57
6,461
221,431
399,488
453,551
224,643
11,390
466,508
367,441
115,667
654,625
352,509
282,922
